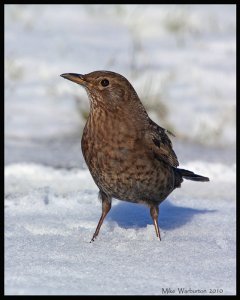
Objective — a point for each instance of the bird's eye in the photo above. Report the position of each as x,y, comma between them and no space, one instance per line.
104,82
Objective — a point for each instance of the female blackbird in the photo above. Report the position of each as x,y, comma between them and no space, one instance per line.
129,156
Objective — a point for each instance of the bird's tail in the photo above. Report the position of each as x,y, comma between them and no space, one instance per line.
191,176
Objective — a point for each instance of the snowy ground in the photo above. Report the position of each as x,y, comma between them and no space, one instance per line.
181,60
51,214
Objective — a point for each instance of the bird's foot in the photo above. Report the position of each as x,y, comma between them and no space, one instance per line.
93,238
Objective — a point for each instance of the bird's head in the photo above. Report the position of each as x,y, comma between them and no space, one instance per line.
108,88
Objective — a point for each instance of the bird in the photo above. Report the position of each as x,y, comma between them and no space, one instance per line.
129,156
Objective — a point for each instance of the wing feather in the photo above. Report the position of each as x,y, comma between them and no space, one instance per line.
160,144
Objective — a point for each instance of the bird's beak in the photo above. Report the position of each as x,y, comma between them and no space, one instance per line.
78,78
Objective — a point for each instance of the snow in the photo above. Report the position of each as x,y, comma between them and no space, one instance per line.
51,214
176,54
178,57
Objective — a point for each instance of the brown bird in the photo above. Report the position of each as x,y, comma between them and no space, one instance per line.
129,156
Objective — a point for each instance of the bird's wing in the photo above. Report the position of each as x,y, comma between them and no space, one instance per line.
160,144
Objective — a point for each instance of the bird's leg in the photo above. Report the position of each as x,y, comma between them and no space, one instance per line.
106,206
154,210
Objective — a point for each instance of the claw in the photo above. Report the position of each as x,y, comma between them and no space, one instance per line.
154,210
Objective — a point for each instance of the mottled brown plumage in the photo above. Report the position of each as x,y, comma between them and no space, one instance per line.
129,156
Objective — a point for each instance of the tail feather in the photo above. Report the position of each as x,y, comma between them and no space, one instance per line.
191,176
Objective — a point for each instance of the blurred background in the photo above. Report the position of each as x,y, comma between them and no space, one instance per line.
181,60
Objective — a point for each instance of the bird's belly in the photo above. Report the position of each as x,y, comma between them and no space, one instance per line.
128,175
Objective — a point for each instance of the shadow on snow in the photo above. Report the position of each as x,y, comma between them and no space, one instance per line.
128,215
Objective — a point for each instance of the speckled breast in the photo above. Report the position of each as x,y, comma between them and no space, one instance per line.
125,170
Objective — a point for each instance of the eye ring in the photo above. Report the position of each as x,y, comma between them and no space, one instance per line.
104,82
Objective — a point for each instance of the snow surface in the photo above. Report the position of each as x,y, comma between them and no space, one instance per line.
51,215
183,56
